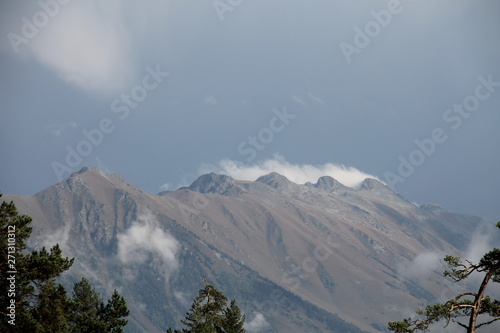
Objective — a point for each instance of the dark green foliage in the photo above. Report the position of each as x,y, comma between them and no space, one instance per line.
11,221
85,307
10,217
89,314
50,314
468,305
206,313
41,304
209,314
113,312
40,266
233,321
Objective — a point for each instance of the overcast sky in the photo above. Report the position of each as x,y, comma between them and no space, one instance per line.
161,91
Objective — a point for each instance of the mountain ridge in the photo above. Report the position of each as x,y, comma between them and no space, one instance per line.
270,232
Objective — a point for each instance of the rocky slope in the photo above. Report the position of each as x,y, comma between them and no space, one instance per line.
298,258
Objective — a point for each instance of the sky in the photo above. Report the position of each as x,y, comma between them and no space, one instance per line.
161,91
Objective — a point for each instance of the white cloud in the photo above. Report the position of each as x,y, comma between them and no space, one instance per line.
165,187
298,173
257,324
146,237
92,44
59,236
87,45
422,265
480,242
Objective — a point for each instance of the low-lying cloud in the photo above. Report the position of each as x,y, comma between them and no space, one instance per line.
298,173
60,237
422,265
425,264
257,324
480,242
145,237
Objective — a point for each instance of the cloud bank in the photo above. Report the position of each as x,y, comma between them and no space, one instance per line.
298,173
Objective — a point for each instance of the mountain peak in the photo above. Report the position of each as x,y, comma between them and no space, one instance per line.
214,183
380,189
275,180
373,184
90,179
87,172
328,184
83,176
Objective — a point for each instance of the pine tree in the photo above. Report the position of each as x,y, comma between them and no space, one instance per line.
112,314
41,304
51,311
90,315
206,313
209,314
233,321
85,309
34,274
14,229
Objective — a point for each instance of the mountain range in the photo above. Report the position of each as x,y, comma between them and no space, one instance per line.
314,257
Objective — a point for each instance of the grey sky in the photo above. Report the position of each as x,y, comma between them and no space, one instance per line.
229,65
